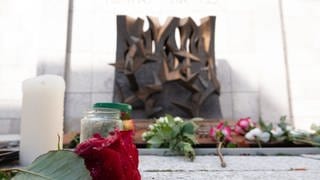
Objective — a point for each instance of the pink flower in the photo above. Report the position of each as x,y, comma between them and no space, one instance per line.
239,130
244,125
221,132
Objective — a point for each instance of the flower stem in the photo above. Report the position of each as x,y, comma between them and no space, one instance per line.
306,141
59,139
223,164
258,142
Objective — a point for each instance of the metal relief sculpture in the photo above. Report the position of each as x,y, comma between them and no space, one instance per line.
157,75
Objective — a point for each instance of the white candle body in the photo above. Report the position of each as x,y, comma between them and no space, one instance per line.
41,117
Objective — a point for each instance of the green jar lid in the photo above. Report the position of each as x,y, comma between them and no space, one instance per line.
121,106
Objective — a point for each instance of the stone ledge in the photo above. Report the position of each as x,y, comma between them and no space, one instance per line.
238,167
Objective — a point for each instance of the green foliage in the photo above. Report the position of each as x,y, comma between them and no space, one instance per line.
298,136
316,140
231,145
172,133
316,136
265,127
54,165
283,124
285,129
6,175
316,129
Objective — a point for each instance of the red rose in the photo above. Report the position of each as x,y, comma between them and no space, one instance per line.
114,157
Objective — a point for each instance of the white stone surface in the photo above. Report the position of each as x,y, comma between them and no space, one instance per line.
78,104
32,33
80,73
18,45
101,97
14,126
224,75
5,126
238,167
52,35
246,105
102,74
233,175
10,108
302,34
226,103
273,89
250,51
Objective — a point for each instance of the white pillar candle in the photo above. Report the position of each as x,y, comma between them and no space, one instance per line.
41,117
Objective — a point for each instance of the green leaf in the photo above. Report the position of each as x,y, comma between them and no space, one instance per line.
171,122
188,127
170,117
55,165
231,145
283,118
179,136
190,137
176,130
261,123
165,132
316,139
186,149
269,127
155,141
5,175
265,127
315,128
173,144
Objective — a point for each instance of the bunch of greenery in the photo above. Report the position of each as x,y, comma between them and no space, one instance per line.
305,137
173,133
284,132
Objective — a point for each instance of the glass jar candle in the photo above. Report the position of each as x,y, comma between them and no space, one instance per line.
125,110
99,120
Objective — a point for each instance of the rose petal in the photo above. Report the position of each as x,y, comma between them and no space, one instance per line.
114,157
238,130
220,125
212,132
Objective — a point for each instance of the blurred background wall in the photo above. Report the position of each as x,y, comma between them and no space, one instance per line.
268,53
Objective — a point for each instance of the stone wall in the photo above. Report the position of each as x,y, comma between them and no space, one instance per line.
267,53
32,41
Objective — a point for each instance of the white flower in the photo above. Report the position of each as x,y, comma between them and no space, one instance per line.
151,127
277,132
264,137
161,119
178,119
289,128
144,135
251,135
258,133
166,120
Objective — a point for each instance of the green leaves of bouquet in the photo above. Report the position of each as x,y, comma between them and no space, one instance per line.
172,133
54,165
